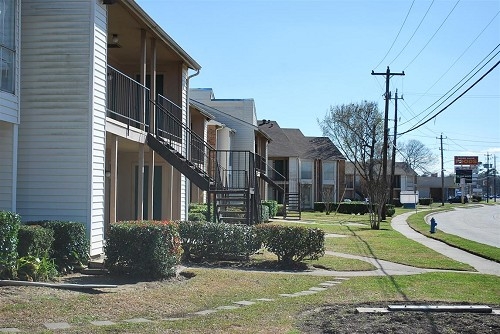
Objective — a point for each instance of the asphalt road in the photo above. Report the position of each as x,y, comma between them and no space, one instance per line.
480,223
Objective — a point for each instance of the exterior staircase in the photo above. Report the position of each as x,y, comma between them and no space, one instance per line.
194,173
292,206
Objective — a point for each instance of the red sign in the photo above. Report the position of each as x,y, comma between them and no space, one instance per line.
471,160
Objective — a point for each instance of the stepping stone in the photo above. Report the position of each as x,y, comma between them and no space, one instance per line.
245,303
314,288
57,325
103,323
265,299
9,330
328,284
305,293
371,310
137,320
496,312
172,319
228,307
205,312
286,295
341,278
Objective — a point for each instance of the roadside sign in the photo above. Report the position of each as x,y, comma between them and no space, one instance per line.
466,160
465,174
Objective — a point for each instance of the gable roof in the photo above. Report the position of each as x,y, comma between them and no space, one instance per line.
292,143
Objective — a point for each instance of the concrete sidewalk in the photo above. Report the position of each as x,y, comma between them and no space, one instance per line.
482,265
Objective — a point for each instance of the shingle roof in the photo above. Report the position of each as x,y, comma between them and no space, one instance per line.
292,143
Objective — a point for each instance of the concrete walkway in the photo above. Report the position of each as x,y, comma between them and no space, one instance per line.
482,265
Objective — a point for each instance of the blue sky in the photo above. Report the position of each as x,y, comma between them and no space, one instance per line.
296,58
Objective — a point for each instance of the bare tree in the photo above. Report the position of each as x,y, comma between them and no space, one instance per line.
357,130
416,155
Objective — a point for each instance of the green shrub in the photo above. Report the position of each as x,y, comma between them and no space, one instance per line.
319,206
264,214
280,210
197,217
148,249
201,209
292,244
35,240
9,227
216,241
273,207
425,201
32,268
71,245
389,210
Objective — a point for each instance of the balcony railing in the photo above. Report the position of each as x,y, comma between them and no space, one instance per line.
127,100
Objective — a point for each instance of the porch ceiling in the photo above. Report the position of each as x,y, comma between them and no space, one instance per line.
126,20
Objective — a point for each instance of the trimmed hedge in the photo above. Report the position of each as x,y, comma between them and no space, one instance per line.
292,244
36,241
347,208
264,214
197,209
10,223
217,241
273,207
149,249
71,245
425,201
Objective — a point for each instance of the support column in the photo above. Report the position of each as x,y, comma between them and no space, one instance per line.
140,183
152,127
113,180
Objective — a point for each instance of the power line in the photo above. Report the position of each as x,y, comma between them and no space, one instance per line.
459,57
448,92
407,14
439,112
430,39
404,47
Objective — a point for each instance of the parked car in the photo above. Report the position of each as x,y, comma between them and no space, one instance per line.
457,199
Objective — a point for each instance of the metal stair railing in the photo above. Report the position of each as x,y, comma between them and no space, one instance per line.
126,100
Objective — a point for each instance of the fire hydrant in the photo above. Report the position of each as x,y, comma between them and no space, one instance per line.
433,225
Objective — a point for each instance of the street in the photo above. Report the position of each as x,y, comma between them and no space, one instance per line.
480,223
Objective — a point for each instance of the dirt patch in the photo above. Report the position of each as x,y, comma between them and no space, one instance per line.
345,319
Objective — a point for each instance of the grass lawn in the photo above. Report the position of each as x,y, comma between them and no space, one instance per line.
27,308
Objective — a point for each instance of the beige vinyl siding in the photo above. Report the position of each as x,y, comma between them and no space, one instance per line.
98,133
55,134
9,108
6,165
293,174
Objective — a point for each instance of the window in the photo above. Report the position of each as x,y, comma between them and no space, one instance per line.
349,181
7,45
328,171
306,170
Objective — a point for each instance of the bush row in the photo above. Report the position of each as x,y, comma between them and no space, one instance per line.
199,212
219,241
40,250
149,249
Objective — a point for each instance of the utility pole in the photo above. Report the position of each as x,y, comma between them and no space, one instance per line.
487,177
387,75
442,170
494,178
393,162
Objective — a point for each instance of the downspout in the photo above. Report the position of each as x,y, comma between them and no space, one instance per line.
188,143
